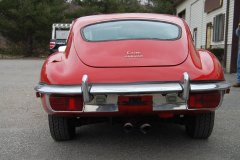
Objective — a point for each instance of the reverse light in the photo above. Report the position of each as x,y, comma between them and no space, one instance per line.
52,44
66,102
204,100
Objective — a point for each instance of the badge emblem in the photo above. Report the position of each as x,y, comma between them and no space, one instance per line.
133,55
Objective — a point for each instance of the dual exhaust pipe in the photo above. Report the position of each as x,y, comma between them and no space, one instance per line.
128,127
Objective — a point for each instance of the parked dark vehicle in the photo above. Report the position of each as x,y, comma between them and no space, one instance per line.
60,33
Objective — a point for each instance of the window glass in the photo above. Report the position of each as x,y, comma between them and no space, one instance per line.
131,29
218,28
62,34
195,37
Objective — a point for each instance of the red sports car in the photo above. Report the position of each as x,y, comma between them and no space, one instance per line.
133,69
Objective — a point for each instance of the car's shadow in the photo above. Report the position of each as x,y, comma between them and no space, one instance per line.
160,132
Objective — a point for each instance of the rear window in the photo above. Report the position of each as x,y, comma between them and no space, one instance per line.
131,29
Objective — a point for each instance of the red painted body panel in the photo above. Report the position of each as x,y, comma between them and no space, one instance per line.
70,70
176,58
112,53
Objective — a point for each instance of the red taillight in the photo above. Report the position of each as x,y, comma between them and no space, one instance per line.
52,44
66,103
38,94
204,100
228,91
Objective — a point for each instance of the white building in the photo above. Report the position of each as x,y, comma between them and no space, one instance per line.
213,24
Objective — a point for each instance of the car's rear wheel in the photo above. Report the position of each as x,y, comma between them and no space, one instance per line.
61,128
200,126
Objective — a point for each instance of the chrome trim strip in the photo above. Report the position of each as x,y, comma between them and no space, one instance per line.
223,85
85,89
135,88
59,89
222,95
47,96
170,106
185,83
101,108
130,89
159,88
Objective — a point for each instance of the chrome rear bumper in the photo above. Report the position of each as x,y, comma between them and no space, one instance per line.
182,88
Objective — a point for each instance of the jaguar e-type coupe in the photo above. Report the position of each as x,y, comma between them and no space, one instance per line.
131,69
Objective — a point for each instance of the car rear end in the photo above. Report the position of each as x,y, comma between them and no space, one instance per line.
159,78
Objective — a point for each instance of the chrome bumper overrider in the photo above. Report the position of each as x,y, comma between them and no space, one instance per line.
89,92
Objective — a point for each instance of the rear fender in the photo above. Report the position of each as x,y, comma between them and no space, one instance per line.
211,64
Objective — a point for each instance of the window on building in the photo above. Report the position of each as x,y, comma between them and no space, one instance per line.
218,28
211,5
195,36
182,14
208,35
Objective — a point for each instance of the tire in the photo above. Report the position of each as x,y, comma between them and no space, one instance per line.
61,128
200,126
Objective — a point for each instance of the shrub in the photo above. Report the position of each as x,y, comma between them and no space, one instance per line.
218,52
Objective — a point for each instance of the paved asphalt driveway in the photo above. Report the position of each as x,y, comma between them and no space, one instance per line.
24,132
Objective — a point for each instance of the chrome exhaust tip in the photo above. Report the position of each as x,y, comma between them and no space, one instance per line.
128,127
145,128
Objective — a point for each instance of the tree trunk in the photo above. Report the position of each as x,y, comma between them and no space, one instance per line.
29,47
